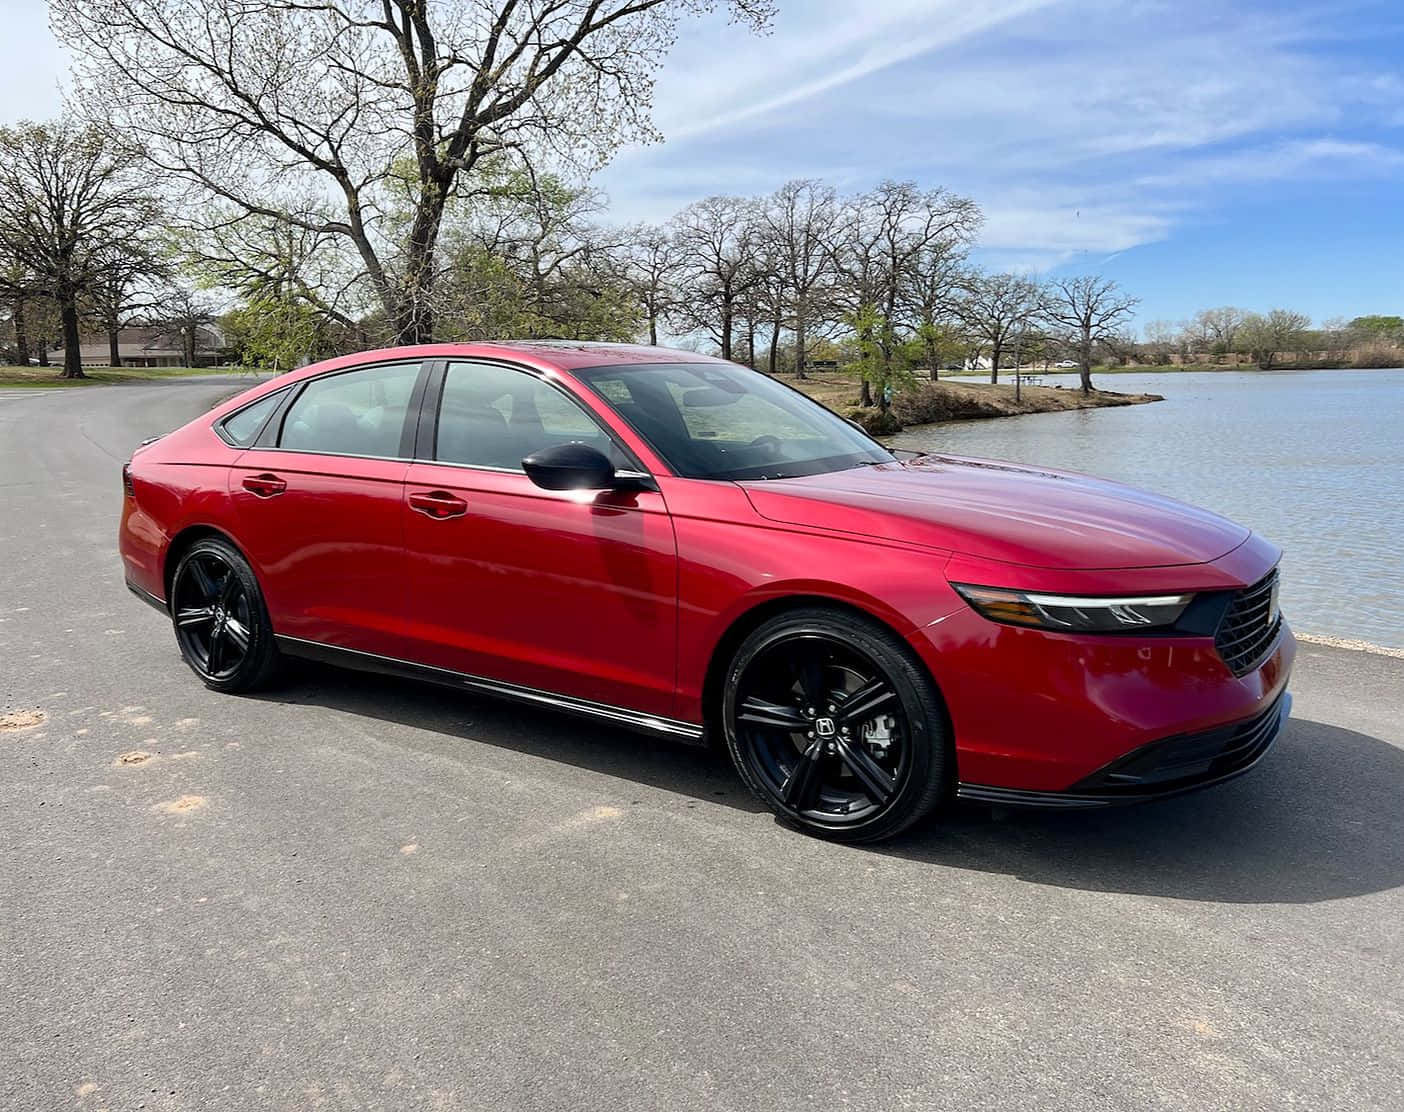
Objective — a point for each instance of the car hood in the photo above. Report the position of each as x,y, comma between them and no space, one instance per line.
1002,511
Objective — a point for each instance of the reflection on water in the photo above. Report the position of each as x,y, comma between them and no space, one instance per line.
1314,460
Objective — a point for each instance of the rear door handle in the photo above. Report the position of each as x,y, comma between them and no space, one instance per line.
265,485
438,504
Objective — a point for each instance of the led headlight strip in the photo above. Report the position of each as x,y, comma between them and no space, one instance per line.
1075,613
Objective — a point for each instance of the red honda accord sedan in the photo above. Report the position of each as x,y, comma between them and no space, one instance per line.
674,543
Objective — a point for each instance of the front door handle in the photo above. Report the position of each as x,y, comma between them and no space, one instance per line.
438,504
265,485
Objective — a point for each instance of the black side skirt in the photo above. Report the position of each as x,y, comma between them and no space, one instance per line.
385,665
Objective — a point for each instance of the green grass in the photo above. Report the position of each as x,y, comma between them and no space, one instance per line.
44,378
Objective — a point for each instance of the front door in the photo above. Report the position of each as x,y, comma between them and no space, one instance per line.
319,505
568,592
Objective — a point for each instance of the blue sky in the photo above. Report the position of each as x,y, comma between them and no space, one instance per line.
1199,152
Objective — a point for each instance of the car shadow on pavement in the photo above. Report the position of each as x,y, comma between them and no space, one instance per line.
676,766
1319,819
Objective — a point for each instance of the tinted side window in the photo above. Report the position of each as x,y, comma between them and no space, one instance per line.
493,416
243,427
355,413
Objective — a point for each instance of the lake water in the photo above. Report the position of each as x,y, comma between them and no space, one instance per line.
1313,460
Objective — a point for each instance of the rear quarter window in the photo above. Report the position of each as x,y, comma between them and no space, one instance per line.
242,427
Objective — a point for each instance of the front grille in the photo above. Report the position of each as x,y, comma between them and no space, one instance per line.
1249,626
1178,762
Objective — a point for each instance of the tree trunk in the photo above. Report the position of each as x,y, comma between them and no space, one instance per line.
774,346
653,329
995,351
415,320
800,345
1084,363
865,398
190,346
114,351
72,341
751,343
726,330
21,333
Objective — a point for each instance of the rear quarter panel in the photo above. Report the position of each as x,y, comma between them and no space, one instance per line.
179,482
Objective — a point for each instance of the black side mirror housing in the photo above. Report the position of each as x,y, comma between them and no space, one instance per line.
571,466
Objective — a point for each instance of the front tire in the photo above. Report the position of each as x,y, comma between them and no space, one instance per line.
220,619
832,722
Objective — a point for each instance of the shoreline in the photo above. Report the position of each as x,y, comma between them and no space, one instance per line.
1176,368
946,400
1350,644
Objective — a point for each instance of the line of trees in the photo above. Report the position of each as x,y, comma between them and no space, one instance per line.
363,171
767,280
348,173
1230,334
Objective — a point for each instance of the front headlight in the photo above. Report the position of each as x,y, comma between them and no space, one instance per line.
1074,613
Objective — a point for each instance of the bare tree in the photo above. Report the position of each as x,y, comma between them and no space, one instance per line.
931,296
998,308
797,224
1089,310
716,237
248,97
15,296
1163,339
883,235
1267,335
277,263
1215,330
70,200
125,286
185,315
652,266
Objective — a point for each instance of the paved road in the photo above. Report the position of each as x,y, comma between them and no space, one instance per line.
358,893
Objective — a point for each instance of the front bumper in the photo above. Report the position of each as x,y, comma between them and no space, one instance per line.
1170,766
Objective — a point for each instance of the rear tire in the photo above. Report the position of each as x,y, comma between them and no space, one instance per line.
833,723
220,619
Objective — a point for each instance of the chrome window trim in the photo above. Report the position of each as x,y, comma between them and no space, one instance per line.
653,723
330,455
472,467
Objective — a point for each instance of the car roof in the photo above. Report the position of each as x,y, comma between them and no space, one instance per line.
562,355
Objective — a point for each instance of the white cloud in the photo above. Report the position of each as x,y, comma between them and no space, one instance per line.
815,49
1081,126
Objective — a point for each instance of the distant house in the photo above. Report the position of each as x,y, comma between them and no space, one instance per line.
147,346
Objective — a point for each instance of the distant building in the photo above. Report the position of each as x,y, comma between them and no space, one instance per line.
147,346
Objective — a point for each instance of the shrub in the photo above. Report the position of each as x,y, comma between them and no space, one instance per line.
922,404
875,421
1378,355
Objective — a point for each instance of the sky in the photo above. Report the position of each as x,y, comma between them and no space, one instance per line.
1198,152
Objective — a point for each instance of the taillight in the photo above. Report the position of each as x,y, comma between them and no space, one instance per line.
127,484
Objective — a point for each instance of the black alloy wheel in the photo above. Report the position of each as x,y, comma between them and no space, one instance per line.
834,724
221,623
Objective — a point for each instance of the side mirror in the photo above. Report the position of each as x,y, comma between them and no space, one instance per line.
571,466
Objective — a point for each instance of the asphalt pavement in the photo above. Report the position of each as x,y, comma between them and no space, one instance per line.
355,892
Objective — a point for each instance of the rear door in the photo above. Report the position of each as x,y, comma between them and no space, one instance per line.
568,592
319,503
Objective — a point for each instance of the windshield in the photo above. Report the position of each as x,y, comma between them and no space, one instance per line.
721,421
